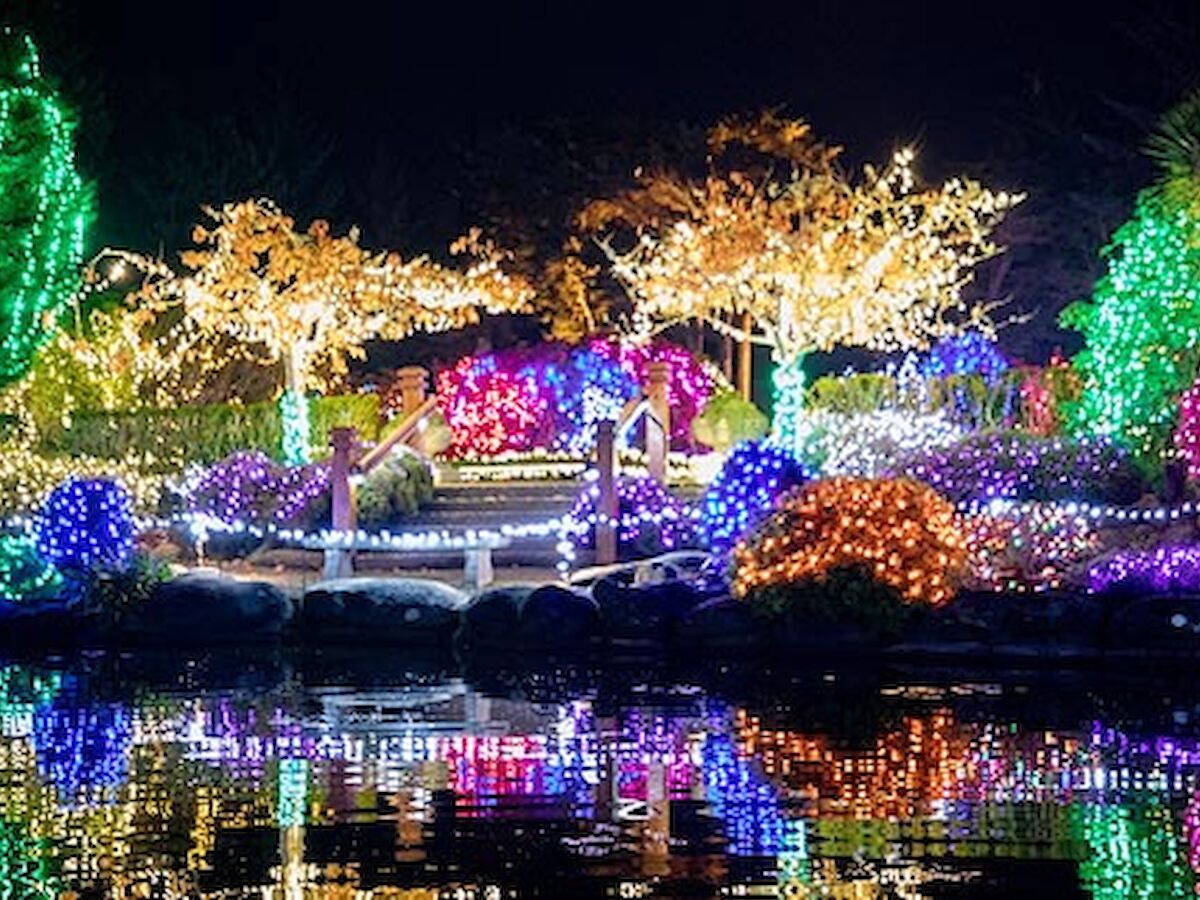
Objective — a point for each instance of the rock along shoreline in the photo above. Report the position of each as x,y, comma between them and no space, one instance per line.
617,615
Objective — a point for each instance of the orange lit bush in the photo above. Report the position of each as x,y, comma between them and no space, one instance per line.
906,535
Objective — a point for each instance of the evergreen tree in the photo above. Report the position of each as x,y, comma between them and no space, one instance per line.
44,204
1142,326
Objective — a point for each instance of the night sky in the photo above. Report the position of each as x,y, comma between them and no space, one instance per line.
430,116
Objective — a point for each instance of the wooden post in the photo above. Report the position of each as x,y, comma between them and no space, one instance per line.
607,506
414,387
658,420
746,361
339,563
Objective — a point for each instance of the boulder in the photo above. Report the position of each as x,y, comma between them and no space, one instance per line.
644,611
722,623
1154,627
490,618
557,617
50,623
1048,626
210,609
385,610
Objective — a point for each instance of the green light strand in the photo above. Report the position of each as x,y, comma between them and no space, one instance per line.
787,427
44,205
294,413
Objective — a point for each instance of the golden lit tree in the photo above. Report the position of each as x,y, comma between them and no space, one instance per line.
786,250
312,300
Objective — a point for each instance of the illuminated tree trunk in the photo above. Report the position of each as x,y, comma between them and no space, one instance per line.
787,424
293,410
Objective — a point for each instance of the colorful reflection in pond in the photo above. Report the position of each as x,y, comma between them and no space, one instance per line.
434,789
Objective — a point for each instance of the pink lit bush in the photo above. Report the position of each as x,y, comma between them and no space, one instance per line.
551,397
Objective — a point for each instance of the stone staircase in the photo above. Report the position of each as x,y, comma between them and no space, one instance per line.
458,507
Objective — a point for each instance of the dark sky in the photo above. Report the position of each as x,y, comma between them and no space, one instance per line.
404,92
861,69
419,76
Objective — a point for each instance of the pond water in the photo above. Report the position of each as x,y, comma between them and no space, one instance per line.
148,777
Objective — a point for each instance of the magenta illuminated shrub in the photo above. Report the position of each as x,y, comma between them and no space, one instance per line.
494,403
688,388
551,397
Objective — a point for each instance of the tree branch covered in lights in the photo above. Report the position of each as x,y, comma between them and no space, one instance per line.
813,257
312,300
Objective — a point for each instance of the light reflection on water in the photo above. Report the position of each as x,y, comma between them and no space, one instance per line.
429,788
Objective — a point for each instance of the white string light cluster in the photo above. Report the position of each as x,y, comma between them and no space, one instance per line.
1093,511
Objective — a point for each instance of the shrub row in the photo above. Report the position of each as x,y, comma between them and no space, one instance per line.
205,434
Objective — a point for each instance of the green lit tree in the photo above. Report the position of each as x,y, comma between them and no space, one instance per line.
1142,326
44,205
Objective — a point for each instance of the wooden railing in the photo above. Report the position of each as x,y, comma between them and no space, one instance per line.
347,464
655,409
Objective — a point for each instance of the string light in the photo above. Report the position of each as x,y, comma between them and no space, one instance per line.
877,263
689,381
646,512
903,533
1141,329
1019,466
552,398
868,444
1033,550
1160,570
312,300
43,203
24,574
253,489
969,353
85,523
27,477
753,478
1187,431
293,410
494,407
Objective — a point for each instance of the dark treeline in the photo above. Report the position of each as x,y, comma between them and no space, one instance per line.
415,125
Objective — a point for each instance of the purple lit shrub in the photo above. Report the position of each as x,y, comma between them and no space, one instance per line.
1019,466
1162,570
251,488
651,519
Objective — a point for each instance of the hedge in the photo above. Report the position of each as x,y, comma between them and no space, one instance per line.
205,434
971,400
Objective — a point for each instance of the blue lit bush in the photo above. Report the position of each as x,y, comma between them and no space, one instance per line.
753,478
84,524
970,353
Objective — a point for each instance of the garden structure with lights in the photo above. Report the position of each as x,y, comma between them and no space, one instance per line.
163,421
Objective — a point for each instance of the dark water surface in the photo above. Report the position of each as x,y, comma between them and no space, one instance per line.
384,776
